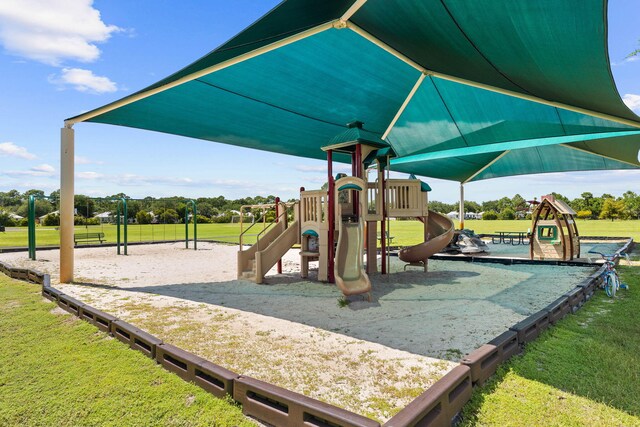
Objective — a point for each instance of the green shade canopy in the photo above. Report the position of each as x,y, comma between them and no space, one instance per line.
459,89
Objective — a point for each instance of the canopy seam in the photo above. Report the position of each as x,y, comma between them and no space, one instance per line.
268,104
560,120
448,111
479,51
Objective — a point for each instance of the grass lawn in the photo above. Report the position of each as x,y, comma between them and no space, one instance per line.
56,370
584,371
404,232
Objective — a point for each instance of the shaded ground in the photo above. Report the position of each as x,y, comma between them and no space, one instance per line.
372,358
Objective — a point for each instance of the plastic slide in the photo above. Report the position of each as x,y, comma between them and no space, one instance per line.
441,228
348,268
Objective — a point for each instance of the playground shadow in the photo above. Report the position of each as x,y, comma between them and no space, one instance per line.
443,313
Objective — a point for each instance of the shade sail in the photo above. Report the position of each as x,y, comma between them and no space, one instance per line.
460,89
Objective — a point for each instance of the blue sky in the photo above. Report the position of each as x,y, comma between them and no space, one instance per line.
59,58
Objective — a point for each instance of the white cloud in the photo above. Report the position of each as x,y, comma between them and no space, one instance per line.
83,81
632,101
13,150
89,175
52,31
81,160
43,170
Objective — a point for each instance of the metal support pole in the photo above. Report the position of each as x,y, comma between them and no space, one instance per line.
122,213
194,209
461,210
278,213
383,239
118,227
66,203
331,217
31,227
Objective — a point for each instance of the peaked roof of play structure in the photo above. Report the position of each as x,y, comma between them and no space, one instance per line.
461,90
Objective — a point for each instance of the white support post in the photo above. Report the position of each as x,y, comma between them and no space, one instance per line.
461,210
66,203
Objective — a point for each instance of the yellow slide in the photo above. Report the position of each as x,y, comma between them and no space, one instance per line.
349,267
441,228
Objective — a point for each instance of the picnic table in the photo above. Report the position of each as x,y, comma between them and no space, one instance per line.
509,237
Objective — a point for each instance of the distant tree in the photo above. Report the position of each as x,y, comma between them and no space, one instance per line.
442,207
631,203
612,209
54,198
584,214
490,205
559,196
36,193
11,198
470,206
588,199
84,205
42,207
169,216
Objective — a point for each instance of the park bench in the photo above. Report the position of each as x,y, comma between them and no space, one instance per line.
510,237
88,237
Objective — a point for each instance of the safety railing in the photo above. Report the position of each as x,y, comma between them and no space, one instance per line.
405,199
313,207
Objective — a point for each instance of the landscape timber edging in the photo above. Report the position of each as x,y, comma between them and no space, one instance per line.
439,405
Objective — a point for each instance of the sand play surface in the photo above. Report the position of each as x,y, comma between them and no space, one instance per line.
369,357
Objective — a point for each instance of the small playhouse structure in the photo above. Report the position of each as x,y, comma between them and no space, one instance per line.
554,232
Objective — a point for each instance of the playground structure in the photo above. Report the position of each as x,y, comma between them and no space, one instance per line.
337,226
554,231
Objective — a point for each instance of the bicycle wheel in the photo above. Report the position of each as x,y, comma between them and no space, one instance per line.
609,285
616,282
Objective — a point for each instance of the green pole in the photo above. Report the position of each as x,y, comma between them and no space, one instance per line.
186,225
194,209
126,222
118,226
31,223
195,226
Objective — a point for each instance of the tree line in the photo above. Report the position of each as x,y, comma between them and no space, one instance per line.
587,206
169,210
219,209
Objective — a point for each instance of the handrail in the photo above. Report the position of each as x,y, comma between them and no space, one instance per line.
242,233
275,221
267,227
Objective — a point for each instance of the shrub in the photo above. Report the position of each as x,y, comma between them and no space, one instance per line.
507,213
6,220
490,215
143,217
51,220
203,219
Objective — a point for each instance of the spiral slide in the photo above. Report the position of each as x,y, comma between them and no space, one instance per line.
441,228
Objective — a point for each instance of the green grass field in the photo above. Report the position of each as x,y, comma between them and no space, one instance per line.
57,370
582,372
404,232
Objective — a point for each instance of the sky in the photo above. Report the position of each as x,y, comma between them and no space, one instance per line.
59,58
